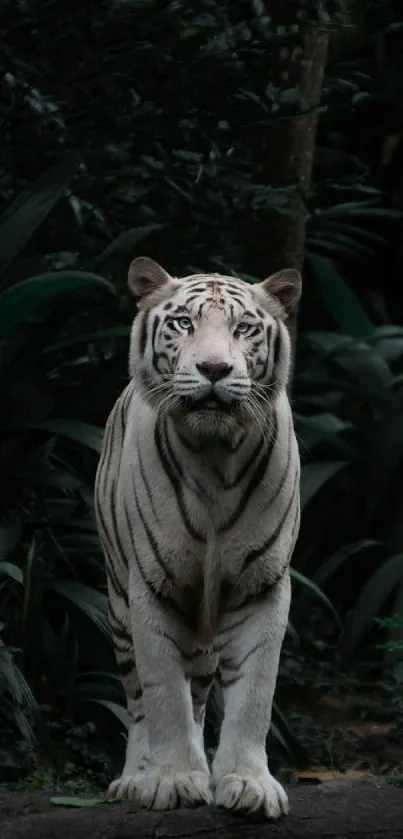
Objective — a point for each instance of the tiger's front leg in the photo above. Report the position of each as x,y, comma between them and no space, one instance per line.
251,644
174,773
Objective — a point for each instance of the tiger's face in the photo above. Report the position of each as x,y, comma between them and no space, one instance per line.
211,350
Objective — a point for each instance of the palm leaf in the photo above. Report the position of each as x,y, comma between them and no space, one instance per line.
23,299
27,212
370,602
315,591
92,603
327,569
315,475
340,301
73,429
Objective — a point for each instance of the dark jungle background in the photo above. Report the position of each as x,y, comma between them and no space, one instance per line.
210,136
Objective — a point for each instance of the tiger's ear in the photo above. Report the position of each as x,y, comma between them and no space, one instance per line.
147,277
286,285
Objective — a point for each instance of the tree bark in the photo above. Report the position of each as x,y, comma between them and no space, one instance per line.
296,61
344,809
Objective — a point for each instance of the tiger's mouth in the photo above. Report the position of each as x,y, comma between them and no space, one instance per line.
208,403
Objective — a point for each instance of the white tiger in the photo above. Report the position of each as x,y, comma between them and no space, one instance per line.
197,504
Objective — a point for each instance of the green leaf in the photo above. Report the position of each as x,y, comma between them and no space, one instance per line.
335,238
324,427
82,802
91,602
126,242
389,341
74,429
10,535
276,733
385,452
330,566
341,302
23,299
28,576
356,232
9,569
316,592
370,602
282,732
27,212
117,710
89,338
46,476
315,475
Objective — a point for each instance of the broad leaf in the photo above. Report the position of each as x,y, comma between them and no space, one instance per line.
27,212
23,299
371,601
341,302
315,475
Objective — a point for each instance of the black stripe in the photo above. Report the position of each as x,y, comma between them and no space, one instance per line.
126,667
205,680
257,553
284,477
114,521
255,332
109,551
176,484
228,663
156,323
228,683
152,540
260,594
143,332
114,581
295,528
245,468
159,595
185,656
236,623
154,798
147,485
263,374
277,346
232,449
256,478
188,445
118,628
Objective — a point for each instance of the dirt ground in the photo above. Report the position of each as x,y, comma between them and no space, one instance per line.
345,809
347,733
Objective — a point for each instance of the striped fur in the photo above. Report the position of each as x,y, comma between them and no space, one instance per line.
197,504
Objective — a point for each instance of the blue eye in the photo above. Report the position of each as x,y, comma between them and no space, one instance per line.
184,322
242,328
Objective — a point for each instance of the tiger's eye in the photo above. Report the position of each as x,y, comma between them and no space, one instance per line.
242,328
184,322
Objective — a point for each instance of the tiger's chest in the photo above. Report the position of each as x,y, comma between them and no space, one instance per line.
181,512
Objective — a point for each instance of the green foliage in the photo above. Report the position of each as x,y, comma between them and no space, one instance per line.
53,604
349,418
18,706
170,157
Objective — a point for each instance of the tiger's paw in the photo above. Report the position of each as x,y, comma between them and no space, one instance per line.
249,794
164,789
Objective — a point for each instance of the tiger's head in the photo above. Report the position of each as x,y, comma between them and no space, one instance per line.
210,350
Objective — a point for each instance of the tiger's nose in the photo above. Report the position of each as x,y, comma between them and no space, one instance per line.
214,371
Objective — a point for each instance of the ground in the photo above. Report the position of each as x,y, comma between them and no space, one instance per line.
363,810
347,722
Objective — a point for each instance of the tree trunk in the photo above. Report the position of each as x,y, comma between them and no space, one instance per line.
296,62
345,809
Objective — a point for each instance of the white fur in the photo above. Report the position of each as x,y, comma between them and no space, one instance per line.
170,536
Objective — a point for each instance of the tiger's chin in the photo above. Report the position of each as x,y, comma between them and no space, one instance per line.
211,418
